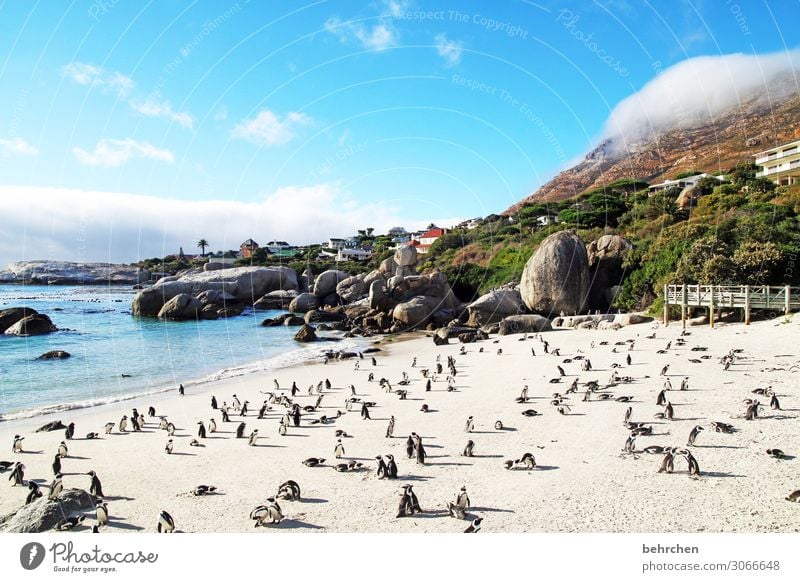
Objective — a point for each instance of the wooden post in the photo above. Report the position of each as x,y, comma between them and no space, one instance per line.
747,304
787,305
767,295
683,306
666,305
711,308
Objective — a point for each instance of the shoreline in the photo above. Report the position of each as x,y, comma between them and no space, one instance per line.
583,481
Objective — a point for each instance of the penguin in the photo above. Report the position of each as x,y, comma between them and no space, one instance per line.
424,408
776,453
17,446
774,404
212,426
654,450
289,490
69,523
253,438
170,429
410,447
70,432
470,425
420,451
723,427
56,487
296,415
201,490
628,359
95,487
468,450
282,429
338,450
162,423
661,399
123,424
498,425
151,411
630,444
244,408
693,435
459,508
685,384
391,467
34,492
268,513
528,461
17,475
92,435
181,390
195,443
664,370
381,469
313,462
56,464
63,450
475,526
201,431
402,510
794,496
240,430
165,523
667,462
628,413
694,467
390,428
101,514
364,411
428,385
668,411
169,447
530,413
225,417
413,502
214,402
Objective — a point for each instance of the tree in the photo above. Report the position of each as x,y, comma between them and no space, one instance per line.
202,243
370,230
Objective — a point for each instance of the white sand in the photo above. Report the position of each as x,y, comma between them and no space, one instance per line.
585,484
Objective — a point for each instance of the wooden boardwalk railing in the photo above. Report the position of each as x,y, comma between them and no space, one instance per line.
744,297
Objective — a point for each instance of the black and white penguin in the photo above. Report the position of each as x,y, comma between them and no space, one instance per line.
313,462
214,405
212,426
469,426
253,438
56,464
774,404
69,523
171,429
56,487
201,430
101,513
667,461
151,411
364,411
70,431
410,447
201,490
92,435
669,413
338,450
390,428
168,448
661,399
693,435
123,423
391,467
498,425
468,450
16,447
95,487
17,476
289,490
475,526
694,467
381,469
33,493
63,450
240,430
165,523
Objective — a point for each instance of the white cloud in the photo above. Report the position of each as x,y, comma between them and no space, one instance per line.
17,146
221,113
396,7
152,107
700,88
94,76
268,129
115,152
449,50
80,225
377,37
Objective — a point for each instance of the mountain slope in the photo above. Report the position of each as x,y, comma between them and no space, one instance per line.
710,145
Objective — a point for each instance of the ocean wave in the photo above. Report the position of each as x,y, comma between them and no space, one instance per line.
290,358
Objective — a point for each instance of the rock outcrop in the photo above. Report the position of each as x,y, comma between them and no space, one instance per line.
304,302
556,277
182,306
43,515
326,282
66,273
530,323
55,355
306,334
495,306
12,315
606,255
37,324
275,300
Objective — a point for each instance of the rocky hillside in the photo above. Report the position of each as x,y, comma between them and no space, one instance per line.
66,273
711,145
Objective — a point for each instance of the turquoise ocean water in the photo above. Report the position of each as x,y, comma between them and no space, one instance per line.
106,341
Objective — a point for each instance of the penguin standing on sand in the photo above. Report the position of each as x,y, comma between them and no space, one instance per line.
391,467
364,411
390,428
17,446
63,450
667,462
101,513
151,412
214,402
180,389
693,435
123,423
410,447
413,501
296,414
468,450
668,411
56,487
57,464
17,475
459,508
470,425
212,426
685,384
661,399
403,507
774,404
201,431
165,523
253,438
338,450
169,447
109,427
694,467
420,450
240,430
381,467
95,487
70,432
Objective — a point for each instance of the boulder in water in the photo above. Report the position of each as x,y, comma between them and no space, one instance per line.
306,334
36,324
55,355
12,315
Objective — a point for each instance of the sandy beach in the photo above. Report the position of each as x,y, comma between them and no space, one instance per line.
584,482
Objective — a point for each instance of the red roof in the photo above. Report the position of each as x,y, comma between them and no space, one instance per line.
433,233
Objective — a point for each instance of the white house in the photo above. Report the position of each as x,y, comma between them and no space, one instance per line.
353,255
682,182
780,164
337,243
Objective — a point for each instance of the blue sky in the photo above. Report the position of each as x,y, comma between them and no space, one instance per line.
302,120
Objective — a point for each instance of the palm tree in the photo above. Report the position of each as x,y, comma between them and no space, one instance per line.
202,243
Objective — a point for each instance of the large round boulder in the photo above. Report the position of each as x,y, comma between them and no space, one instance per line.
556,277
275,300
12,315
306,334
182,306
405,256
351,289
529,323
37,324
388,267
303,303
416,311
495,306
326,282
55,355
606,255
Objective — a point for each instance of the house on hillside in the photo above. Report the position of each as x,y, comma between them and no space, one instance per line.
688,181
424,241
780,164
337,243
247,248
353,254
